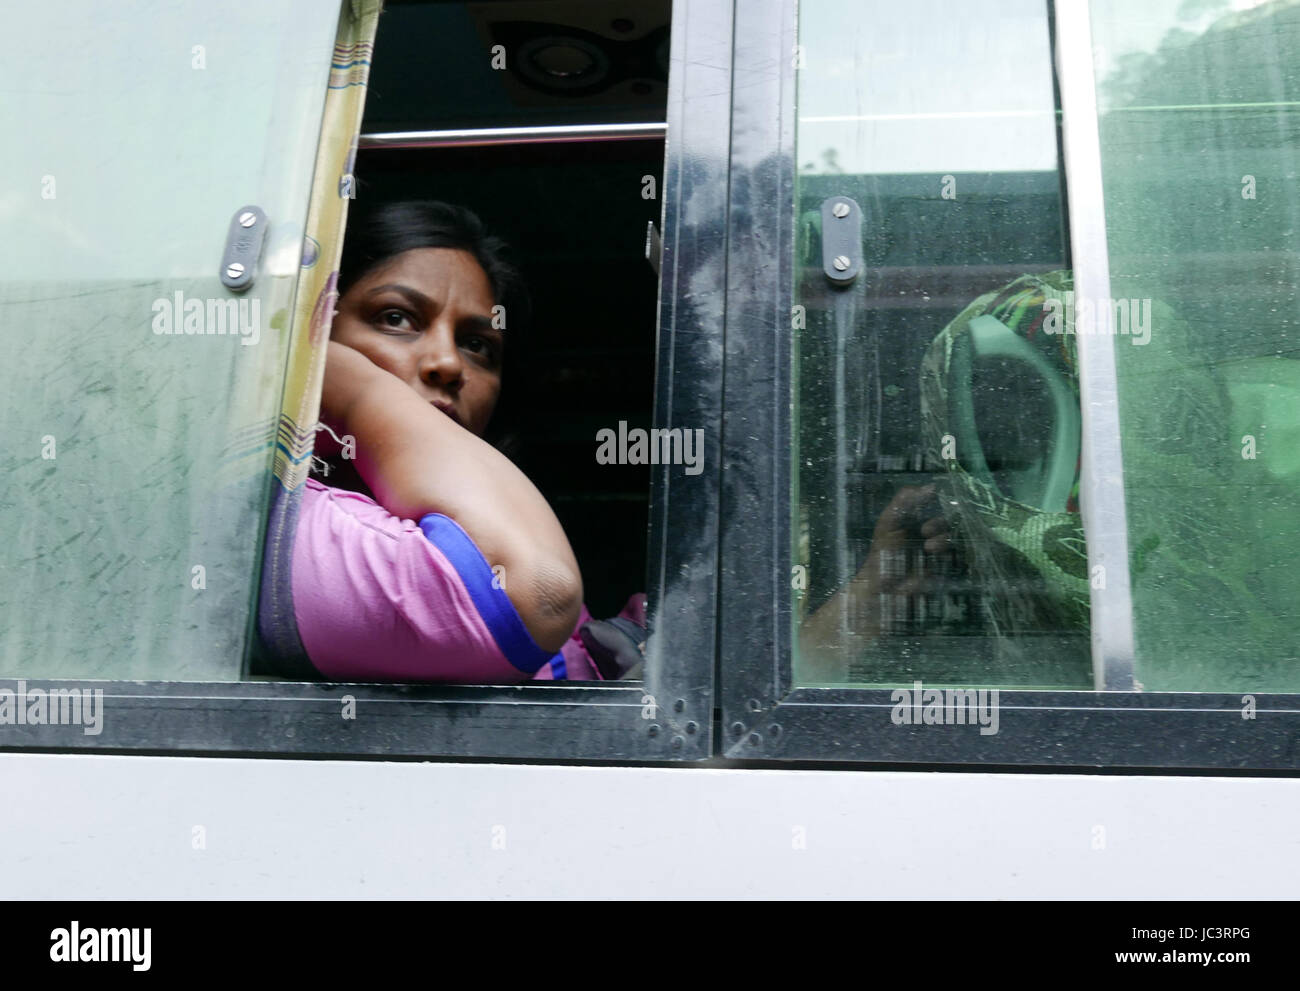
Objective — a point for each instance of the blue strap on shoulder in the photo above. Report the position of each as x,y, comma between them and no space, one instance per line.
489,598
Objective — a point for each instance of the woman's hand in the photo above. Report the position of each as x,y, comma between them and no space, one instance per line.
855,616
892,566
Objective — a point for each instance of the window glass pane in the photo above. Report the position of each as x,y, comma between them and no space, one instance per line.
1200,130
138,423
936,420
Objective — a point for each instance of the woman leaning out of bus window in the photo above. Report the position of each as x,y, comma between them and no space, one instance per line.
427,555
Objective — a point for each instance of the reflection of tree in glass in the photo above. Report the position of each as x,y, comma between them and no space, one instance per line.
830,164
1190,131
1192,10
1238,57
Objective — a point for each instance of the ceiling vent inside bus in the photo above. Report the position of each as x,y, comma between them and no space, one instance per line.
571,49
519,63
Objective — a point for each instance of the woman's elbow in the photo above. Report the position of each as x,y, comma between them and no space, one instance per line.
549,605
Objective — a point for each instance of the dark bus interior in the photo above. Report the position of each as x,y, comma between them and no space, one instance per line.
574,212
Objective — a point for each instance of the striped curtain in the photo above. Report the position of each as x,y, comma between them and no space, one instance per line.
279,648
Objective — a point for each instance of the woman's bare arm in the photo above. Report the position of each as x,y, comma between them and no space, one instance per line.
417,460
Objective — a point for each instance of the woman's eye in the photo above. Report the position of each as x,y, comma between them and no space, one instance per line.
394,320
481,346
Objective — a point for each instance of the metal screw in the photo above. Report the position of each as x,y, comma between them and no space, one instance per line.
234,270
692,727
840,209
247,219
679,705
841,263
678,742
653,730
737,728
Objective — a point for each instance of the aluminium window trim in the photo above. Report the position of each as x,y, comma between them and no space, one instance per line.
467,137
1101,480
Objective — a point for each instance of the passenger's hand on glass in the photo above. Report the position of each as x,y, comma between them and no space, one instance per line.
911,536
894,571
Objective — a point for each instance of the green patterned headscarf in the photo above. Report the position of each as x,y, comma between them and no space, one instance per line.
1030,563
1211,528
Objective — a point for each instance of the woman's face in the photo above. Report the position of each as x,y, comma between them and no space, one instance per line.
426,316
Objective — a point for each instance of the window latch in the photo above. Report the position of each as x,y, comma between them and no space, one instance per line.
243,247
654,246
841,240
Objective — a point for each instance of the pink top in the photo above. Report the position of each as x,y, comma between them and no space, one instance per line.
377,598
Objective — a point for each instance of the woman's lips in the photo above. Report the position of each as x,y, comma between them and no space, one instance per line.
448,410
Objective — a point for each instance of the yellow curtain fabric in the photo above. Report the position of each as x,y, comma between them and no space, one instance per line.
332,186
277,648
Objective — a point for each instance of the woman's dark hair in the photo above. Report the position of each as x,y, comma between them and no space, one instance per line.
376,234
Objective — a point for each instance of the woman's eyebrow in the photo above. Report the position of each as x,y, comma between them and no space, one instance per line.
479,322
416,297
424,303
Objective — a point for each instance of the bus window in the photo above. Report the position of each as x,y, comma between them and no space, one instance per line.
940,442
160,466
547,124
1201,165
937,425
140,390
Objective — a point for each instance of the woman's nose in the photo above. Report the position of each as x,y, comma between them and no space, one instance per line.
440,359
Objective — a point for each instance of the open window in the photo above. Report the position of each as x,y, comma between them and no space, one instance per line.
547,120
564,125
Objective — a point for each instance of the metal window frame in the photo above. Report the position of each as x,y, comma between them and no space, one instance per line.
483,136
1101,489
764,715
666,717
